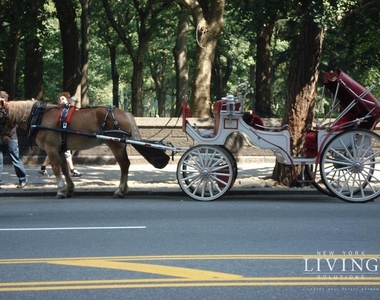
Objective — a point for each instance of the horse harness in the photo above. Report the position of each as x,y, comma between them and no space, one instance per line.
35,117
63,120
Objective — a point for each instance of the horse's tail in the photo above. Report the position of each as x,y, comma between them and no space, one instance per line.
135,133
158,158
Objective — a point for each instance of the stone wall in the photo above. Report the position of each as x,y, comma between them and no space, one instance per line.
154,129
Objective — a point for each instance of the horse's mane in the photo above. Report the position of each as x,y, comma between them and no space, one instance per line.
96,106
19,110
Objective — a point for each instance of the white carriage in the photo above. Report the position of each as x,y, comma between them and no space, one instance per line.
342,157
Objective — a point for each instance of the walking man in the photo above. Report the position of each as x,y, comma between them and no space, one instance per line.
9,143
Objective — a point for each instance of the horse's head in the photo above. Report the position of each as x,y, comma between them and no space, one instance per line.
5,126
3,112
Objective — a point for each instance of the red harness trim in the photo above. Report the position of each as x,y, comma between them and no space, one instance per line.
68,117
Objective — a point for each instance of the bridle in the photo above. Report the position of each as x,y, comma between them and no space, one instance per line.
4,116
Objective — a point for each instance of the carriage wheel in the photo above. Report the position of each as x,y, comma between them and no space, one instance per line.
234,165
348,165
206,172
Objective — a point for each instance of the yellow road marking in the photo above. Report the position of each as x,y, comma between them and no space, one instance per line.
148,268
183,277
157,280
154,283
192,257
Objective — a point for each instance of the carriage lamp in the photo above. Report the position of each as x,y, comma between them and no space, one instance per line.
230,105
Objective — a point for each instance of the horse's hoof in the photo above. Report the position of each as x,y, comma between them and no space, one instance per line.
118,195
60,196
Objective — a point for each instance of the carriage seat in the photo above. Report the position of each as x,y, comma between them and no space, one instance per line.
250,118
253,120
256,122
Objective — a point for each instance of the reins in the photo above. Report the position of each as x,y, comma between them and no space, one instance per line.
164,128
152,136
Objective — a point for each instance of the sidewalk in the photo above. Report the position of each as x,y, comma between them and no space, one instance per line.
102,180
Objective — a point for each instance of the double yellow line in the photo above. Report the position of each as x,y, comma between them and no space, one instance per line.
177,276
167,283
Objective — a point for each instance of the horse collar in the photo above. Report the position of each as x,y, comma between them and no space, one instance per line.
64,115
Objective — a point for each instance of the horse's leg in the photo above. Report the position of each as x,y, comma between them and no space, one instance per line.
58,163
66,173
120,152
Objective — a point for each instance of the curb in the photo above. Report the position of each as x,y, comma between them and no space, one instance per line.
144,180
169,192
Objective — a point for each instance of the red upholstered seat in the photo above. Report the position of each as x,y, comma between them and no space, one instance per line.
253,120
311,143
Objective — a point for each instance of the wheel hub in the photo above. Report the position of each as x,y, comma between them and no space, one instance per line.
205,173
357,167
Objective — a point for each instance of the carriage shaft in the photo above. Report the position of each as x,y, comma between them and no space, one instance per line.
126,139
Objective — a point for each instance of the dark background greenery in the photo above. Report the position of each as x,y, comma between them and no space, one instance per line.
351,43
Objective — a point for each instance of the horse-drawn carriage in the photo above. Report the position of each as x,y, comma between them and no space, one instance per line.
342,153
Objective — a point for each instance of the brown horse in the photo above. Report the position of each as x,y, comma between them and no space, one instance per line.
49,136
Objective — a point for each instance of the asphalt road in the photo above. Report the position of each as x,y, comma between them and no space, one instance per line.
175,248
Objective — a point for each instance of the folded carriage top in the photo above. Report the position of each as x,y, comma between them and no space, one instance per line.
358,100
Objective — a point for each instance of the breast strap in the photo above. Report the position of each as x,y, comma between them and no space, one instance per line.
63,120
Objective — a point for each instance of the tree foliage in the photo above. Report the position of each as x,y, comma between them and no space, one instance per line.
150,28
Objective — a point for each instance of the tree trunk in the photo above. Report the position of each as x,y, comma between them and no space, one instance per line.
158,71
136,86
301,92
217,76
33,70
220,75
250,97
10,63
70,46
115,76
161,100
263,71
200,101
33,67
208,16
85,23
146,11
180,58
